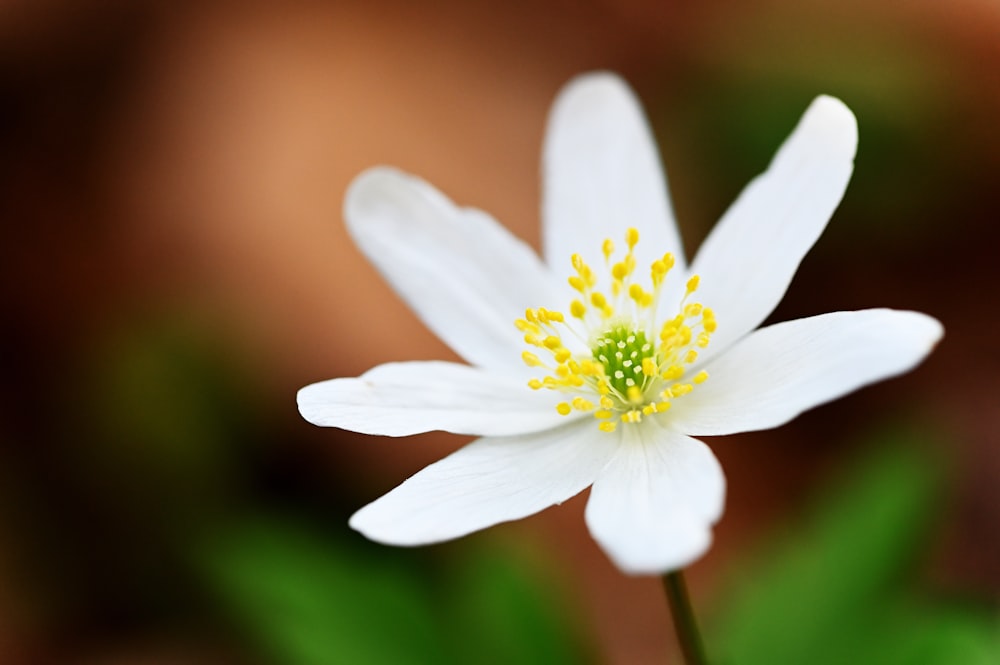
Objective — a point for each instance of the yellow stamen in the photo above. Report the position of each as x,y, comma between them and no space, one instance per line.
635,365
530,359
631,237
681,389
673,373
632,416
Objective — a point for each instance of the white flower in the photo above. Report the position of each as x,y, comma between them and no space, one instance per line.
569,412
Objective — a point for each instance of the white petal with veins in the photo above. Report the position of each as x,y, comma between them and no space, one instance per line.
399,399
489,481
602,175
465,275
748,260
652,507
777,372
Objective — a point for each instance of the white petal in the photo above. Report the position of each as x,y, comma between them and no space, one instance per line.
602,175
489,481
399,399
777,372
750,257
465,275
653,505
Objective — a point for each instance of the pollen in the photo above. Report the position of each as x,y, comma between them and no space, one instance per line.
612,358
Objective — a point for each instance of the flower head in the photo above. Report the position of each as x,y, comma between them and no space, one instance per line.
597,365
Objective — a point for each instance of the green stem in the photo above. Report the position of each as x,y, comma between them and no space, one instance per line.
684,621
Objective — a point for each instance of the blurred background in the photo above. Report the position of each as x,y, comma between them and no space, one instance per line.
175,267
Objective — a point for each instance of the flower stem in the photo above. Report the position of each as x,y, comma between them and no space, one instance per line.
684,621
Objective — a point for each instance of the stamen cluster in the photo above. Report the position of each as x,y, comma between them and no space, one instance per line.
634,369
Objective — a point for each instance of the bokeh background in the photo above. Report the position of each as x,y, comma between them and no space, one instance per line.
175,267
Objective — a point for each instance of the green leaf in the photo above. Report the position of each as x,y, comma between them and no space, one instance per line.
308,600
305,599
821,595
918,633
505,611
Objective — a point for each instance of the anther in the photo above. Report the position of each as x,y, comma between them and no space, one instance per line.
632,237
530,359
673,373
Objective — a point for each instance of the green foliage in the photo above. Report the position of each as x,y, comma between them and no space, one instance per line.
834,593
502,614
306,599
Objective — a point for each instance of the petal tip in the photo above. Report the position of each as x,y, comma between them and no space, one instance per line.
370,521
382,198
595,82
370,185
660,564
926,329
832,117
593,90
305,400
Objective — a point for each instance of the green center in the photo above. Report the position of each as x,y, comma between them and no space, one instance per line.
621,350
